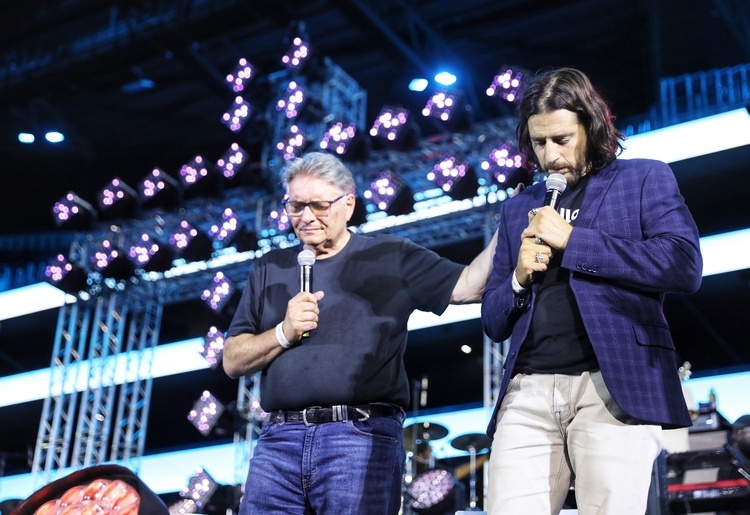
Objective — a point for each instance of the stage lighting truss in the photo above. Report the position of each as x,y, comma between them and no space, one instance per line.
213,346
117,199
391,194
238,114
503,162
232,162
338,137
158,189
150,255
219,292
454,176
190,243
441,105
242,74
66,276
293,143
297,55
508,84
390,123
73,212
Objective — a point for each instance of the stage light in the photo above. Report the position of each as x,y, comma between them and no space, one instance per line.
508,84
221,295
73,212
198,178
418,84
111,262
26,137
213,346
205,413
445,78
293,143
297,55
279,219
231,231
158,189
117,200
190,243
293,101
242,74
341,138
66,276
54,137
232,162
391,194
506,165
390,123
440,105
455,177
150,255
237,115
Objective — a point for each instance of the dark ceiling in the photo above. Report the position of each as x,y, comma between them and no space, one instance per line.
64,63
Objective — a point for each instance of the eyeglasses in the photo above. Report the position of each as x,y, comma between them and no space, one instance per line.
318,207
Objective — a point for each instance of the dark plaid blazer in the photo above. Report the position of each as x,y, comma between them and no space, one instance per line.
633,241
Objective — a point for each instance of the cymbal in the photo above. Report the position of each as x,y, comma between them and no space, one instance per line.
477,440
425,431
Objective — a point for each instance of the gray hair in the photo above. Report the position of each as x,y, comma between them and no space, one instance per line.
323,166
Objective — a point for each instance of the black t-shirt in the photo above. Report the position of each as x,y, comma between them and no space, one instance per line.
355,356
557,342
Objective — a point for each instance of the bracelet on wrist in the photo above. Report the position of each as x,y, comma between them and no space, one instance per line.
280,336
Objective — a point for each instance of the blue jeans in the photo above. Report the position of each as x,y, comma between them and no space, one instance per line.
333,468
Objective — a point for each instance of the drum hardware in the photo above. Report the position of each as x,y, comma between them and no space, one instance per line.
474,443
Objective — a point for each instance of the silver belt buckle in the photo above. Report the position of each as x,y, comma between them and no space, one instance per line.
304,417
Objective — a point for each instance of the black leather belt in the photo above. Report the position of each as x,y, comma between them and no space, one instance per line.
341,413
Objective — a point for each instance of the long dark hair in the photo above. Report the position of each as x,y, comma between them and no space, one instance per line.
568,88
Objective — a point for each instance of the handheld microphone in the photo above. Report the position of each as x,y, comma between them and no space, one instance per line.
556,184
306,260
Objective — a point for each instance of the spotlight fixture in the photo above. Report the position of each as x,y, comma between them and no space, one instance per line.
342,138
231,231
190,243
293,143
237,115
221,295
198,178
279,219
242,74
205,413
213,346
293,100
158,189
73,212
506,165
117,200
150,255
232,162
455,177
440,105
297,55
391,194
508,83
110,262
66,276
390,123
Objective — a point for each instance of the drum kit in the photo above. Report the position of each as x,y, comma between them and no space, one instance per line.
430,489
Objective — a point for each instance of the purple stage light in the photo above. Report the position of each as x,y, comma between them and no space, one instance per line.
390,193
242,74
390,123
293,144
297,55
237,115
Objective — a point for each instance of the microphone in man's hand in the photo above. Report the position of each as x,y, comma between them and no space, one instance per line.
305,260
556,184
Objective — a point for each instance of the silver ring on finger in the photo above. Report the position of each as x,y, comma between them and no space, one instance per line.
539,257
534,211
538,240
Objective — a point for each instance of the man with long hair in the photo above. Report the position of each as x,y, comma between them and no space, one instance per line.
591,372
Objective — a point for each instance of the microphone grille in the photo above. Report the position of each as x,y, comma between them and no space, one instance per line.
306,258
557,181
